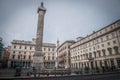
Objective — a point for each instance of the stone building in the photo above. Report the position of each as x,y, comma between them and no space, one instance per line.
49,51
21,54
6,56
63,52
99,51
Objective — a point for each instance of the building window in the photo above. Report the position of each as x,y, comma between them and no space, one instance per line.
108,43
111,27
99,54
20,47
44,49
98,46
118,62
81,51
25,47
113,35
114,42
48,57
97,41
116,50
53,54
13,52
96,64
29,57
24,52
53,58
81,57
30,47
110,50
53,49
89,49
48,49
19,52
77,57
14,47
103,51
100,63
112,63
102,45
86,55
119,32
18,56
24,56
13,56
101,39
107,37
90,55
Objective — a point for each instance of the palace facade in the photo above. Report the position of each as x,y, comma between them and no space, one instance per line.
63,52
99,51
21,54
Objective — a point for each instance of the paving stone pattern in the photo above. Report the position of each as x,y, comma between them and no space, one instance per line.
115,76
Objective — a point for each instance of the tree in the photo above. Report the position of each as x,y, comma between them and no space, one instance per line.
1,49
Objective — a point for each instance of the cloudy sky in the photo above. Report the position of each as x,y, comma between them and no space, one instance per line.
64,19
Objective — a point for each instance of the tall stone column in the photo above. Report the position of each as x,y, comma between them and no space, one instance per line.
38,60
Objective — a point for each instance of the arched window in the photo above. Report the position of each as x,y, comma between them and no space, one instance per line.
116,50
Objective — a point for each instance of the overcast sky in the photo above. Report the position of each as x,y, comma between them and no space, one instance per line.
64,19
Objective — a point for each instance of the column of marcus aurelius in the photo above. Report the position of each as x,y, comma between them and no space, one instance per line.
38,58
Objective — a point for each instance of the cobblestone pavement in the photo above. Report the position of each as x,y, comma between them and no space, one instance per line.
8,74
11,72
110,76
